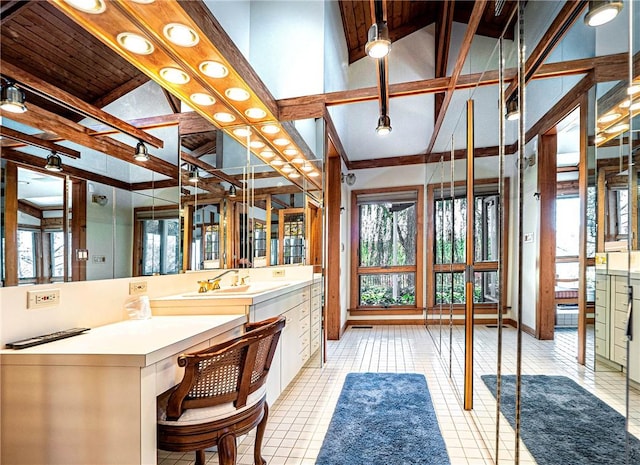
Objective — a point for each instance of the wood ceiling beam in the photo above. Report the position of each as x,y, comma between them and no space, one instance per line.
37,142
121,90
173,101
37,163
312,106
332,134
59,96
164,184
472,26
31,210
443,41
207,148
46,121
189,123
207,184
212,170
563,21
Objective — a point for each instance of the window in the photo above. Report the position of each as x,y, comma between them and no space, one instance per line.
388,234
27,247
448,241
160,243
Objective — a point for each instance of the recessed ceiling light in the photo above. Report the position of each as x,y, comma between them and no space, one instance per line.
242,132
181,34
282,141
609,117
298,160
237,94
625,103
174,75
224,117
88,6
290,152
203,99
633,88
620,127
294,175
255,113
635,106
143,2
288,169
307,167
314,174
256,144
277,162
270,129
214,69
267,154
602,11
599,138
135,43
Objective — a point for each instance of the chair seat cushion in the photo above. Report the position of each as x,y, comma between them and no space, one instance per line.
196,416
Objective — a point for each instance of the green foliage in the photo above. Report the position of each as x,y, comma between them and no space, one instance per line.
382,296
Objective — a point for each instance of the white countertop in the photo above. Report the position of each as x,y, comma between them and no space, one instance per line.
127,343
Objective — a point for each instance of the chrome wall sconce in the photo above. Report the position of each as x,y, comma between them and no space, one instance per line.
12,98
512,111
349,179
378,42
602,11
54,163
142,154
232,192
101,200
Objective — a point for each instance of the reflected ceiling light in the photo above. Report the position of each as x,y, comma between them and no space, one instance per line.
290,152
224,117
88,6
174,75
242,132
288,169
620,127
143,2
294,175
512,112
609,117
181,34
307,167
135,43
270,129
378,42
237,94
255,113
384,125
277,162
193,175
267,154
142,153
214,69
256,144
602,11
203,99
12,98
232,191
281,141
314,174
633,88
599,138
54,162
298,160
635,106
625,103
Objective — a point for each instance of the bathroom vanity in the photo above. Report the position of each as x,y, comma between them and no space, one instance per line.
91,399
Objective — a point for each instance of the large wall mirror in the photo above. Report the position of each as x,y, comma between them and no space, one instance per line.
239,210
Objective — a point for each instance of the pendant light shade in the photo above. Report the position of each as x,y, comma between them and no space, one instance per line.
378,42
512,112
193,176
12,99
602,11
142,154
232,191
384,125
54,162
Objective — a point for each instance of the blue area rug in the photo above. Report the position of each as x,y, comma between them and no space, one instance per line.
384,419
563,424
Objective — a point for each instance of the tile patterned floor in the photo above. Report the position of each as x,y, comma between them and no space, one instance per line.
299,419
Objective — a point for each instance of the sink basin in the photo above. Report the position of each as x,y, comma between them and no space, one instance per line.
244,289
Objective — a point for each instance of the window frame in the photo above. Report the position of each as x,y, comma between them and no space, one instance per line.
483,187
357,271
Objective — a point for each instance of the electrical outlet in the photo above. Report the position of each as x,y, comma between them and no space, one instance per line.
137,287
278,273
45,298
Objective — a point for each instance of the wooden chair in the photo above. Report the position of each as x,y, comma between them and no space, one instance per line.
222,395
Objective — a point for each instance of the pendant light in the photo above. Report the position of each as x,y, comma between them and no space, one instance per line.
54,162
193,175
142,153
602,11
378,43
12,98
512,111
384,125
232,191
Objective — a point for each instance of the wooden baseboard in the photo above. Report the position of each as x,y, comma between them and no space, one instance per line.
421,321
